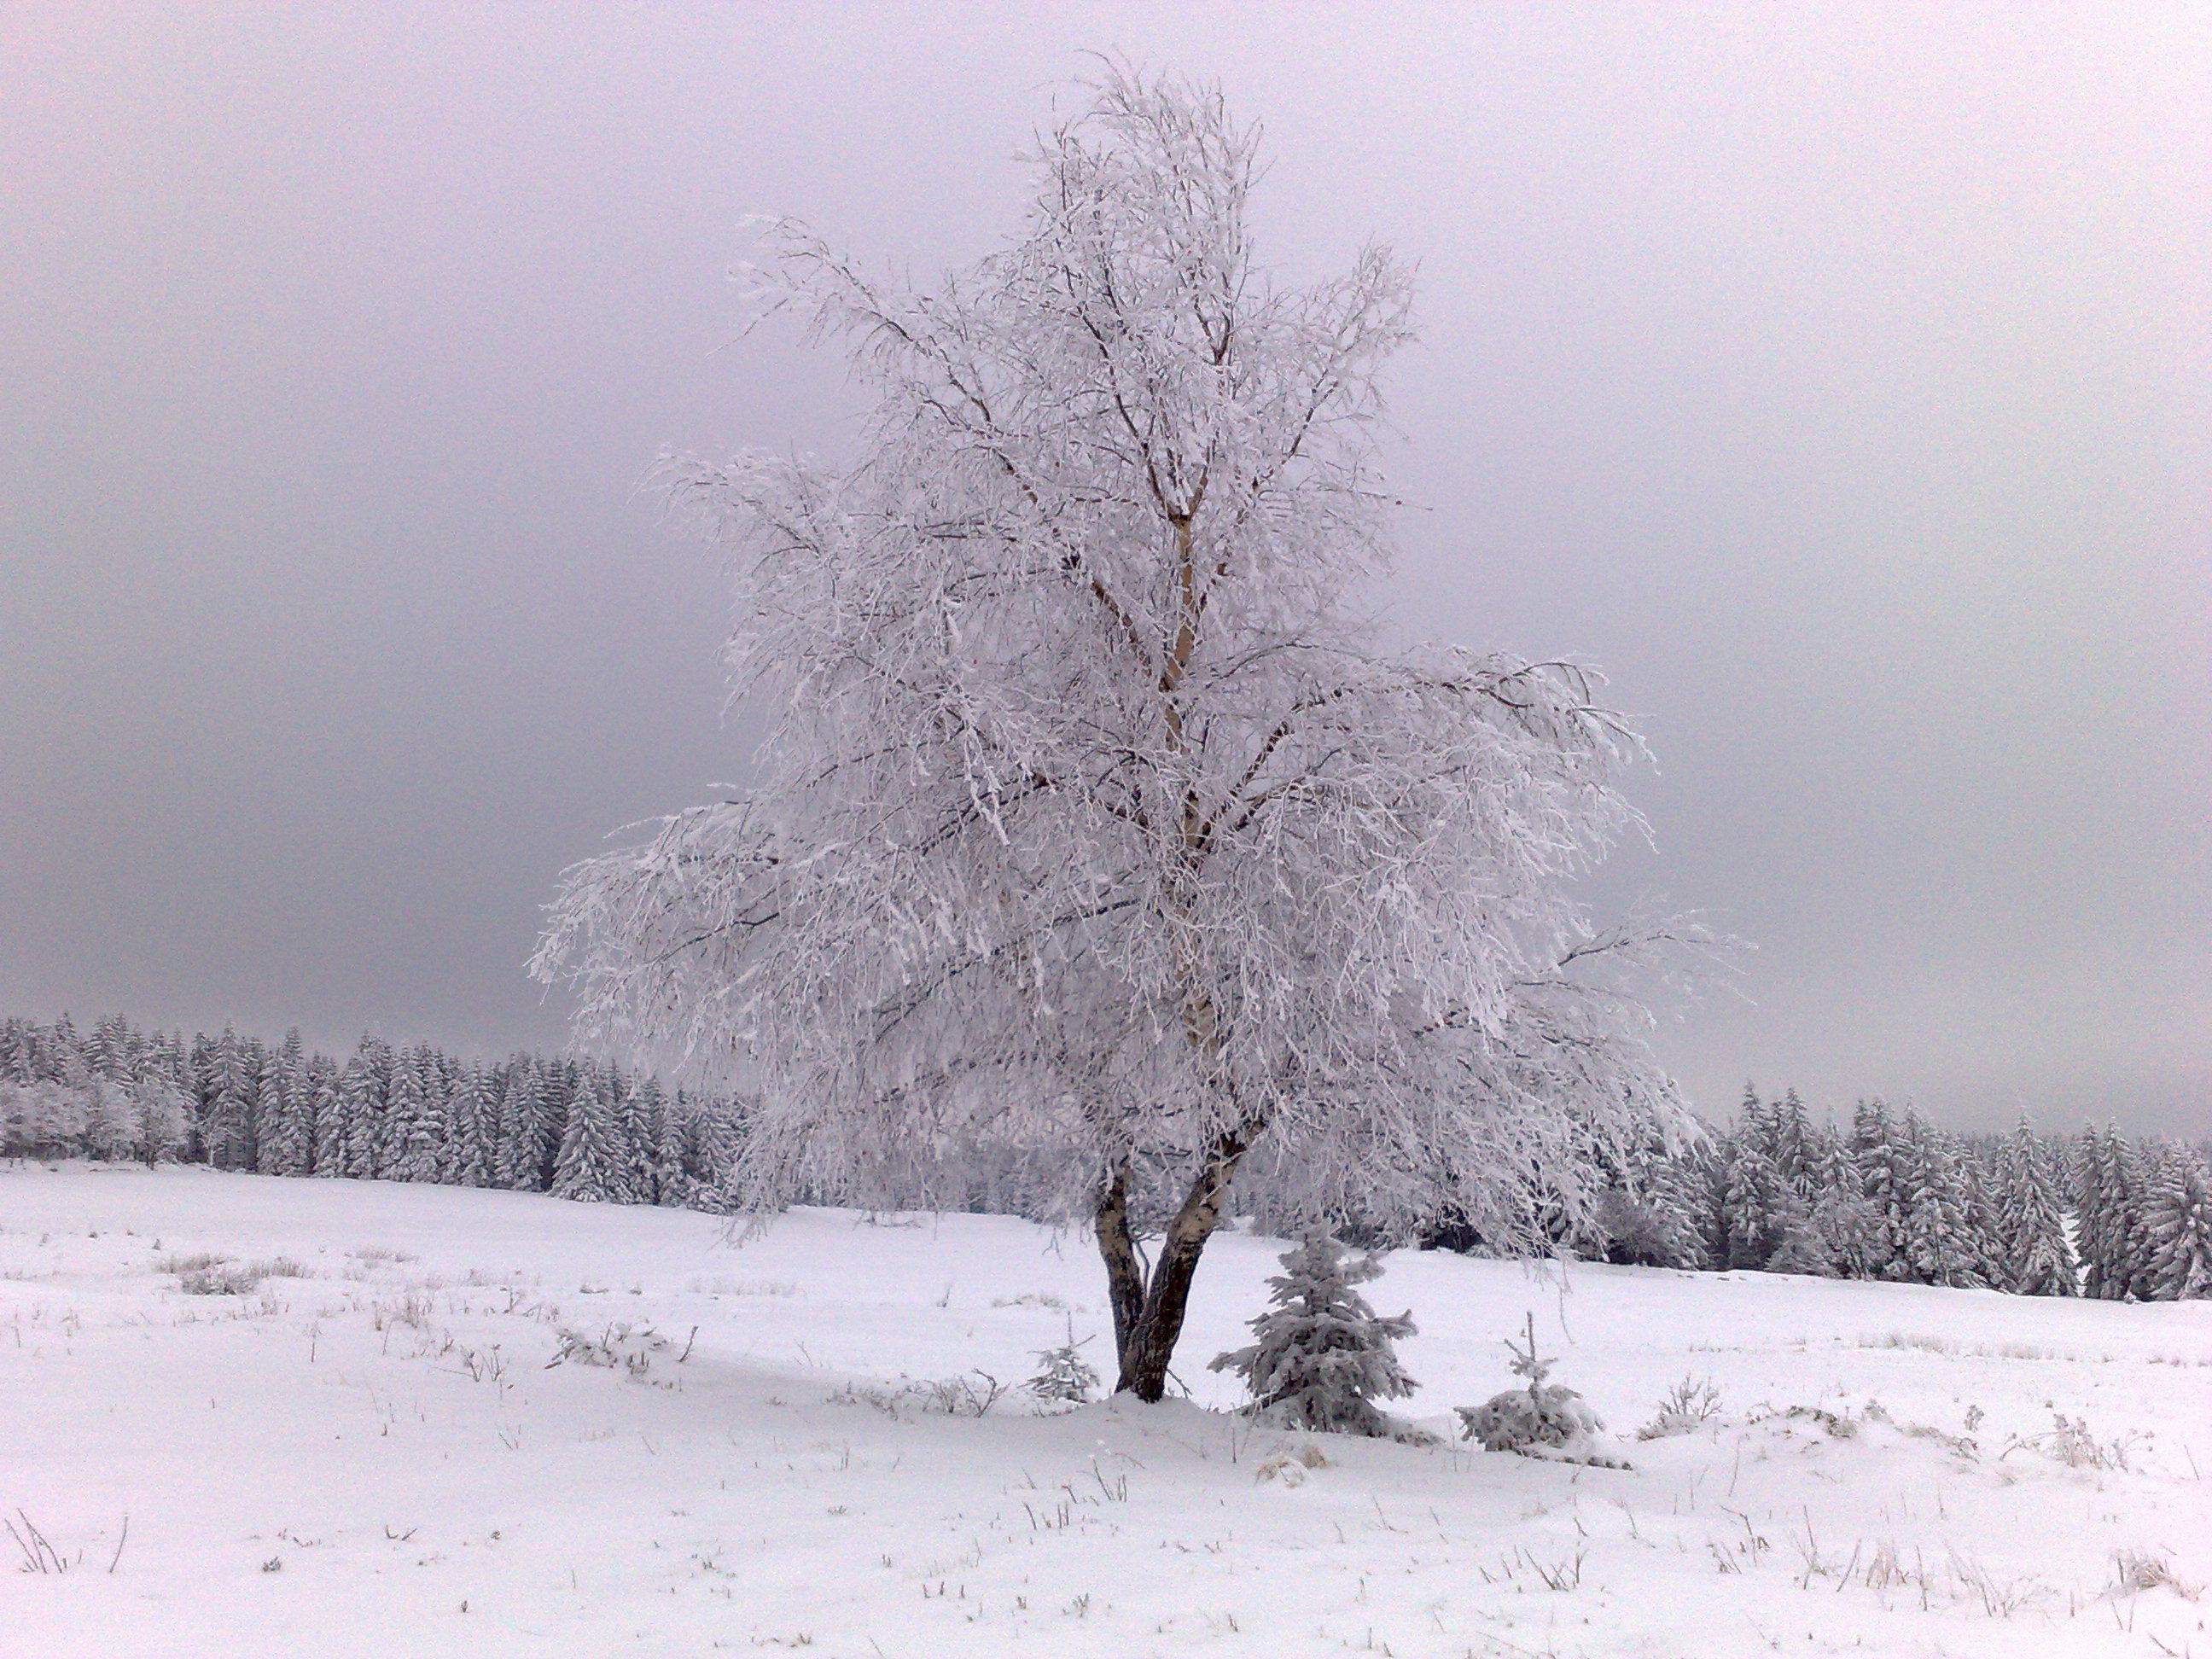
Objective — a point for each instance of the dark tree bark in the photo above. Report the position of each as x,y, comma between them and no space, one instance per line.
1125,1270
1149,1309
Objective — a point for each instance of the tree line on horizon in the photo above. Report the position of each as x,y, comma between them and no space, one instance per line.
1888,1196
574,1128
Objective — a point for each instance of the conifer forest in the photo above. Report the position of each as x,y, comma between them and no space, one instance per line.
1884,1196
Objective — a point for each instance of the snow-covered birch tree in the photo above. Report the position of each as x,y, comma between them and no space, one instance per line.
1094,816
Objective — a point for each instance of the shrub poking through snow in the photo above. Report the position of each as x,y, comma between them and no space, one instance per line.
206,1273
1289,1463
219,1281
2135,1570
1067,1377
1545,1419
970,1395
197,1262
630,1347
1323,1356
2069,1442
1688,1405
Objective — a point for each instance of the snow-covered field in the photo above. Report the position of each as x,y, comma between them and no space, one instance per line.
368,1454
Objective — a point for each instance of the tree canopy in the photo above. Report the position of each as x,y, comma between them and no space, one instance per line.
1094,816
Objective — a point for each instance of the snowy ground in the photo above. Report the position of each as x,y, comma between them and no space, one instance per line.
368,1456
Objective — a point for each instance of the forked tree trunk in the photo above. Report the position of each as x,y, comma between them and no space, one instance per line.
1125,1271
1149,1309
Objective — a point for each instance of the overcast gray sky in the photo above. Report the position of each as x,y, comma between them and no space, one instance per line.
1837,376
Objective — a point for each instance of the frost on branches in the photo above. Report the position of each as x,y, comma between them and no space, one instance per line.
1093,818
1323,1356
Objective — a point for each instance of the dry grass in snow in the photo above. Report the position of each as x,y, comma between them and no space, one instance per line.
349,1419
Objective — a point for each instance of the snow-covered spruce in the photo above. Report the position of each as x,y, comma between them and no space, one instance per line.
1323,1356
1064,1377
2178,1226
2036,1259
1543,1420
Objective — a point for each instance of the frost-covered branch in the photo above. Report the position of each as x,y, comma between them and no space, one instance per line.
1091,809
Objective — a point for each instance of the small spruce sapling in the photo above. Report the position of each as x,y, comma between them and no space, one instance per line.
1545,1419
1066,1379
1323,1356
